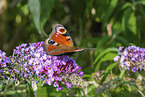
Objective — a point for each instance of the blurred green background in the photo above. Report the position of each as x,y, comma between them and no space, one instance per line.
91,23
97,24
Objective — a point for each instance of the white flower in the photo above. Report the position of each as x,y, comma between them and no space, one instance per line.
127,63
116,58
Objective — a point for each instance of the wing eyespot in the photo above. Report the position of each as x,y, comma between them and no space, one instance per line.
62,30
51,42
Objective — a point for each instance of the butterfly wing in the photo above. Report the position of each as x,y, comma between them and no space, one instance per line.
58,49
59,42
61,36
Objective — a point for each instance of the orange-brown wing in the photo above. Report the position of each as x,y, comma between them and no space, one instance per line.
66,52
61,36
53,48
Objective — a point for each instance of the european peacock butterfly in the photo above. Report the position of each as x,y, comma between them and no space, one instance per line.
59,42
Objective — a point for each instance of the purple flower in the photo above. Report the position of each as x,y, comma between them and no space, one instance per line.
131,58
68,85
81,73
31,61
59,88
3,64
120,49
56,84
4,60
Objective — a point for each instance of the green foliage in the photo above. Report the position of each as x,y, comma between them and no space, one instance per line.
101,24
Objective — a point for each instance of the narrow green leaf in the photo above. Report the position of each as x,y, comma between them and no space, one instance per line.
126,5
125,82
140,2
104,77
104,52
109,11
110,67
46,8
122,40
34,6
132,23
141,10
108,94
90,88
107,57
125,19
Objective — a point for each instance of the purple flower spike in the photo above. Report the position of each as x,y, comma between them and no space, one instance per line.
31,61
3,59
131,58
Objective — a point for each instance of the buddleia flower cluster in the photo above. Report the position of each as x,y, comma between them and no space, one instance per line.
75,80
32,62
131,58
4,61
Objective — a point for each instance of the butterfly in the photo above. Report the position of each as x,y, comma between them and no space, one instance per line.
59,42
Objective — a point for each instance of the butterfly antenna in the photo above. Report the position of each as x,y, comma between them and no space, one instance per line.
90,48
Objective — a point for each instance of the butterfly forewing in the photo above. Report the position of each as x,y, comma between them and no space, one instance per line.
60,35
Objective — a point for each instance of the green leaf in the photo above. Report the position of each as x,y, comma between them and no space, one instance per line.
104,77
141,11
140,2
40,11
122,40
125,82
104,52
132,23
110,67
34,6
90,88
136,88
125,19
109,11
108,94
126,5
107,57
46,8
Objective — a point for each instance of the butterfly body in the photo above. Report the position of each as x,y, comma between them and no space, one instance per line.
59,42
